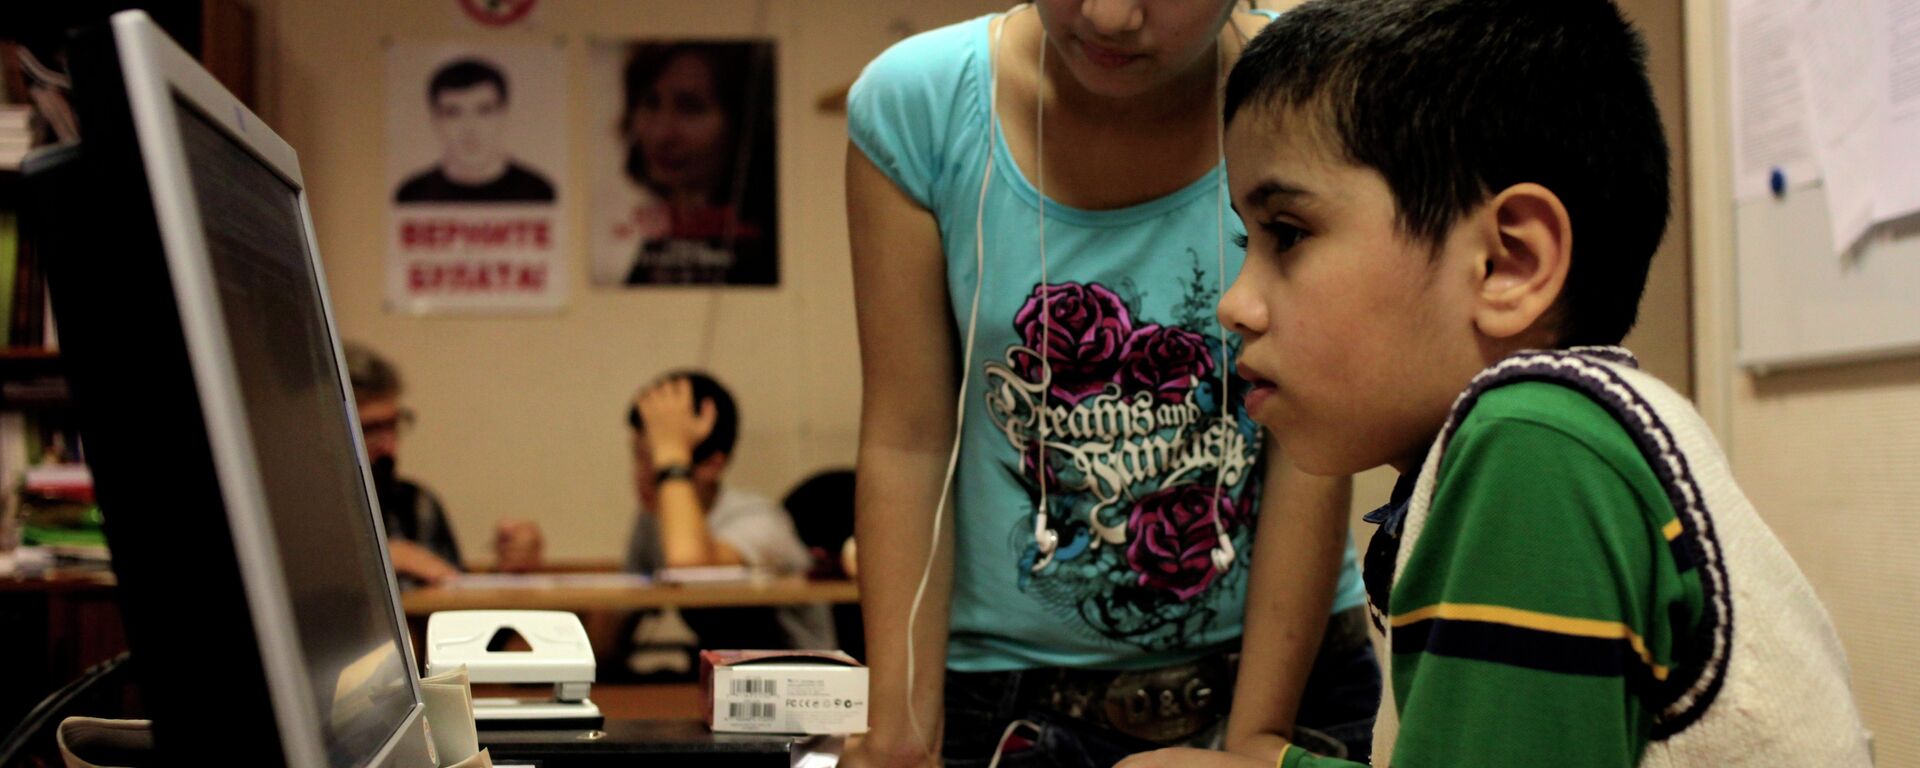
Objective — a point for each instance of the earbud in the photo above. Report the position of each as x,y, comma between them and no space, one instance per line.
1045,539
1223,555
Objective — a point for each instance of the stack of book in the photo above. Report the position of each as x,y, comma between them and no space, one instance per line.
25,319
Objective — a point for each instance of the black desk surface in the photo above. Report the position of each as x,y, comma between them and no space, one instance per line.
636,742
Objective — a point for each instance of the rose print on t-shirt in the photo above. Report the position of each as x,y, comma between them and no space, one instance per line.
1118,418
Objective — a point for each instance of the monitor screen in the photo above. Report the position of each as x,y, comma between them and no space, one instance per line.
298,415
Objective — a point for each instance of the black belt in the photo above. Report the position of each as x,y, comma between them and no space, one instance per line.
1165,705
1171,704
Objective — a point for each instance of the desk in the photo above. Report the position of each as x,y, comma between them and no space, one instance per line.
624,701
603,604
653,743
548,595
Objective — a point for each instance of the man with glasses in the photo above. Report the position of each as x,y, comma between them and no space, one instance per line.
419,536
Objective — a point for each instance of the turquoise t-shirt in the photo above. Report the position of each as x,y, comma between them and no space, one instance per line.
1134,442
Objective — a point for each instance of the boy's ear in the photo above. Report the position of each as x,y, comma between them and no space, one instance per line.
1529,250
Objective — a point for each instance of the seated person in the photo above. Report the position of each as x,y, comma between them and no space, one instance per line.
419,536
687,519
822,512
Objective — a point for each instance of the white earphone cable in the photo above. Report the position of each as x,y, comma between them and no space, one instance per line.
1001,746
1044,538
1223,555
960,405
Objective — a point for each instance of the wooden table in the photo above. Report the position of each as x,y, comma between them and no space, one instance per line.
605,601
549,594
624,701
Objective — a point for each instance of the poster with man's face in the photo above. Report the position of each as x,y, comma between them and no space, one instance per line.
684,164
476,152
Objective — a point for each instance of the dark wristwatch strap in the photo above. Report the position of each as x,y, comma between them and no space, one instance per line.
673,472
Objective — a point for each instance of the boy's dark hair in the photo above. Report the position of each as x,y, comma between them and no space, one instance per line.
726,417
464,74
1453,101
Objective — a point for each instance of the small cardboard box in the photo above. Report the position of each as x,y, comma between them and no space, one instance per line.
807,692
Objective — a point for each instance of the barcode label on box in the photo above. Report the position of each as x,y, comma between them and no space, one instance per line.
753,686
751,710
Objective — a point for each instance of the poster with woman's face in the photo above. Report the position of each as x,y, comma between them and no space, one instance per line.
683,154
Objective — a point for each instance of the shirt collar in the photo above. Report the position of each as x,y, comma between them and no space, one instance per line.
1393,514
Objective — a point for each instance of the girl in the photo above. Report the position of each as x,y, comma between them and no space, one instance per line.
1039,236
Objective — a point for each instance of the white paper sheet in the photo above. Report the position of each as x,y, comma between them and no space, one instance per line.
1900,168
1843,60
1770,114
548,581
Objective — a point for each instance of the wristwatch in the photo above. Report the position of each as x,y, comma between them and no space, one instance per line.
673,472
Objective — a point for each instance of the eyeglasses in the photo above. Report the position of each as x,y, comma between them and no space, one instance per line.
402,421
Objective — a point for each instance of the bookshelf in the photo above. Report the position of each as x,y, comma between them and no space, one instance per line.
27,361
58,624
32,380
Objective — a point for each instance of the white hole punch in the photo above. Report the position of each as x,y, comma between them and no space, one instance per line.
560,655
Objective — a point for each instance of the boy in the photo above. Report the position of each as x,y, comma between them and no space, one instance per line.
684,427
1436,191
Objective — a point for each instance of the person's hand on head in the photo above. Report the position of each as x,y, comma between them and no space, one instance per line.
410,559
517,545
673,426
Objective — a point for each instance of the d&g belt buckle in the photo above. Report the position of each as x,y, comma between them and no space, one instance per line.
1164,706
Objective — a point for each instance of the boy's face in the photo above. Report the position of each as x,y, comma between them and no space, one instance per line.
1356,337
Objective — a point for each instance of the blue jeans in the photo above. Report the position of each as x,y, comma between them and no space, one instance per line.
1336,716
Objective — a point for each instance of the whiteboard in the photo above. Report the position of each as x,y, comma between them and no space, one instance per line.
1800,304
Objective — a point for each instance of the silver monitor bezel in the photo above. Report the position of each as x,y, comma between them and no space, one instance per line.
156,72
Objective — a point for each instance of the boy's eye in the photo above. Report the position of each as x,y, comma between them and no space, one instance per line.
1285,236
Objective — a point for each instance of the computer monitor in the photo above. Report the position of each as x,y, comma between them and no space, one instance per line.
260,604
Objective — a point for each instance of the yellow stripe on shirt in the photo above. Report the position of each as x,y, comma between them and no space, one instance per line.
1672,529
1534,620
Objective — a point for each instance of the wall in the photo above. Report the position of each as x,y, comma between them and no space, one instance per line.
1828,455
520,416
523,415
